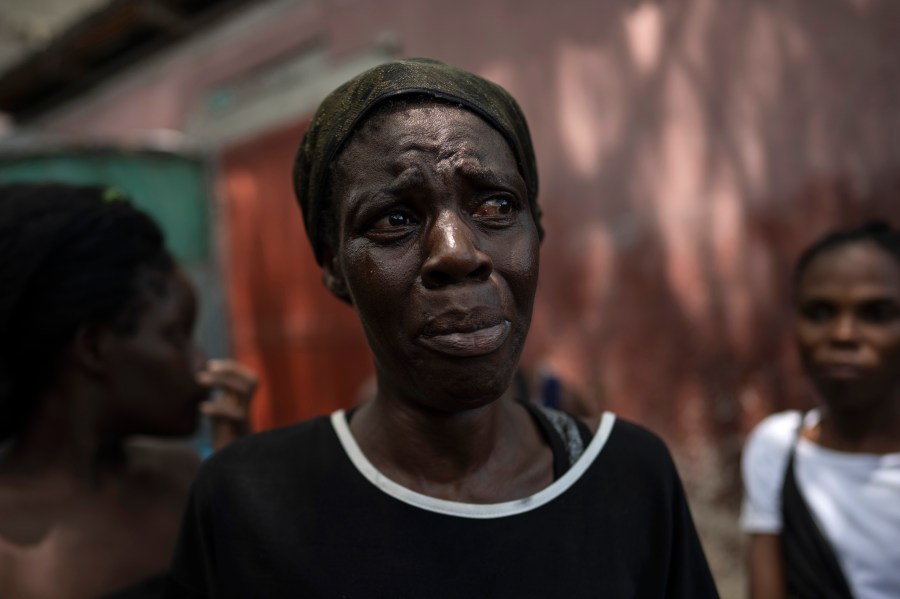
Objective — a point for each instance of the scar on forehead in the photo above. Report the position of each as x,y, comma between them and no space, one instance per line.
409,177
413,176
470,166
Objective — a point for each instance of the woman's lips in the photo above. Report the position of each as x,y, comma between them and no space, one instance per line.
469,343
840,372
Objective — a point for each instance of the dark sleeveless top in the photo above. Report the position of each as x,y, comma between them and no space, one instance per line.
811,566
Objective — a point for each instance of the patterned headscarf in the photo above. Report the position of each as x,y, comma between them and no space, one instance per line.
344,110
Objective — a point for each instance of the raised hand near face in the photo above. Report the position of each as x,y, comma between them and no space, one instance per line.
232,385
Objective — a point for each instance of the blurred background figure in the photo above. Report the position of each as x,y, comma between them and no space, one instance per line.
543,386
822,499
97,366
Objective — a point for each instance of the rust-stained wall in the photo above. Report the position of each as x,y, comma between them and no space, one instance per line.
687,150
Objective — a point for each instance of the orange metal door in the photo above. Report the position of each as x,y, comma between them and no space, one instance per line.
307,346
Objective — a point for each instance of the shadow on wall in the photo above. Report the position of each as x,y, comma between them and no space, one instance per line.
697,149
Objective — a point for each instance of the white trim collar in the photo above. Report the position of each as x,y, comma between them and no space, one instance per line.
471,510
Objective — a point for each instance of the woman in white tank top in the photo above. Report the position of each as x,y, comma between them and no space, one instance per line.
822,503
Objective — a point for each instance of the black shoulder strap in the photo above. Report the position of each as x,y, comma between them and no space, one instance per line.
811,566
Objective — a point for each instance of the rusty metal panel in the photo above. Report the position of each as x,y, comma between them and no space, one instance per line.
307,346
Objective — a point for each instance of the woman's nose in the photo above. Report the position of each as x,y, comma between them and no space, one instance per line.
844,330
453,253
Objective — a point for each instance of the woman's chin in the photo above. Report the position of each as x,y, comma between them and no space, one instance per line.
464,395
183,426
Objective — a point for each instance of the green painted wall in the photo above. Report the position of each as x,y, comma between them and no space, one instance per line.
169,187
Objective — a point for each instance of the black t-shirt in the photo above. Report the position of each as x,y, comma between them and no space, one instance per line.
300,512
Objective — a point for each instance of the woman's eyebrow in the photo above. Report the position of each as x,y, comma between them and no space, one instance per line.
360,201
877,298
475,167
488,176
410,177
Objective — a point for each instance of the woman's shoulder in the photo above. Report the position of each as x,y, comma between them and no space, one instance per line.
769,443
633,464
277,439
639,438
162,462
633,445
775,432
275,449
158,476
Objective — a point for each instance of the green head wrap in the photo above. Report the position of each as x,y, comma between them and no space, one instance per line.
346,108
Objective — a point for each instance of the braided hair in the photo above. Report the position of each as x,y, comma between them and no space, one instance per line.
878,232
70,256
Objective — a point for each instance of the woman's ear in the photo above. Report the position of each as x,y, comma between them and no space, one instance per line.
90,348
333,276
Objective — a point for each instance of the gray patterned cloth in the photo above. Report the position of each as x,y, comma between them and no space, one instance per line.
567,429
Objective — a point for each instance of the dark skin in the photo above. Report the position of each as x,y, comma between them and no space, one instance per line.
86,506
848,334
437,250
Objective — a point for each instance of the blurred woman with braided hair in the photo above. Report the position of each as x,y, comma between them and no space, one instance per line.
96,349
822,504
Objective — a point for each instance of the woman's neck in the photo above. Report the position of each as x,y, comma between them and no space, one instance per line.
65,438
473,455
875,429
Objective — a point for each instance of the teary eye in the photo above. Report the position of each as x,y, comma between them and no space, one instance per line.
496,207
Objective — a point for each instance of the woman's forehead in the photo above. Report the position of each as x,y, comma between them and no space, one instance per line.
860,265
445,134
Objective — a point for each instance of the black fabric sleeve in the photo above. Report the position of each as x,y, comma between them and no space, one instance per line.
645,468
193,572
